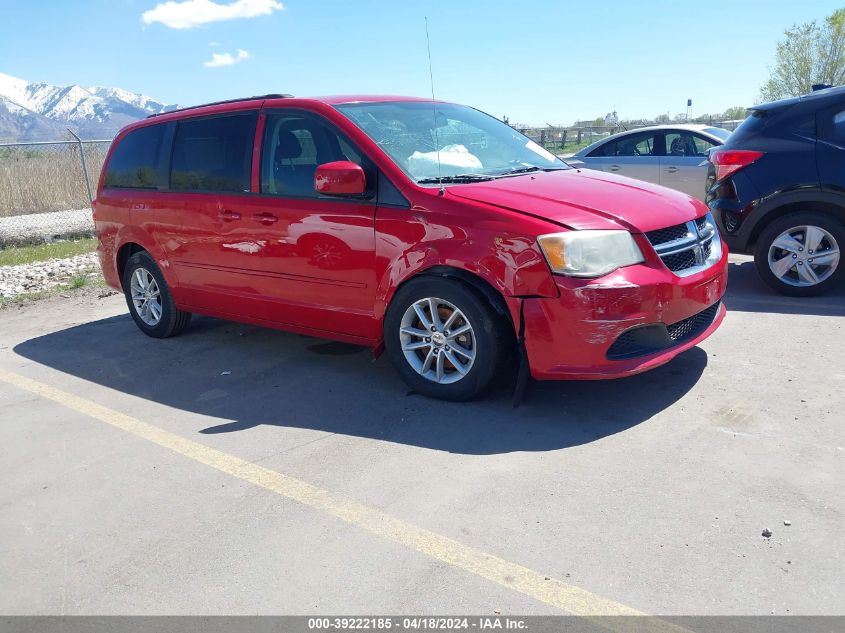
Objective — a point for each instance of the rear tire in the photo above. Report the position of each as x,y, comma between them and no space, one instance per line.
149,300
799,255
456,354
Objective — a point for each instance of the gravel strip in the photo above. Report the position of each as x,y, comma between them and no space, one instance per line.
37,276
45,227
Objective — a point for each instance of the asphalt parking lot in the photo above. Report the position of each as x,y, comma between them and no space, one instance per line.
237,470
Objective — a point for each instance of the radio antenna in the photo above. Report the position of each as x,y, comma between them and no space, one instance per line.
434,110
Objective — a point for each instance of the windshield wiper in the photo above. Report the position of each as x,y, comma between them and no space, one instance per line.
454,179
461,178
526,170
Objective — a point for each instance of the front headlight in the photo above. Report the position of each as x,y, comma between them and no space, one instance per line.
589,253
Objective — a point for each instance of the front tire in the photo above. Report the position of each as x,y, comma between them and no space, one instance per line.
149,300
445,339
799,254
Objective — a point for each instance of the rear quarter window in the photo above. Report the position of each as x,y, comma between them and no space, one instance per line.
137,159
606,149
753,124
806,127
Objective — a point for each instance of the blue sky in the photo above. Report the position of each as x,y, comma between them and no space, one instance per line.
535,61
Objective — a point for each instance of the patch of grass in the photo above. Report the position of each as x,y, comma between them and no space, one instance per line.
29,297
77,281
40,252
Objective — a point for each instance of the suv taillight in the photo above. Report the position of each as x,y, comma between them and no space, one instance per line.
730,161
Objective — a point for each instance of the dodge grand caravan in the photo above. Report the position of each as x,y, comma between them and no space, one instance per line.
431,230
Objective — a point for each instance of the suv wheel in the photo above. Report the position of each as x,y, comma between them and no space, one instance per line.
446,341
149,299
799,254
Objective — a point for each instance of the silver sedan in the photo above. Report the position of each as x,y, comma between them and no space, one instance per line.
668,155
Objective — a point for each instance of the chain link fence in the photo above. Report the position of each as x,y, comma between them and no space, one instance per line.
45,189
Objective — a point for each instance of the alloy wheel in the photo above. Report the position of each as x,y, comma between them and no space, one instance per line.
437,340
804,256
146,296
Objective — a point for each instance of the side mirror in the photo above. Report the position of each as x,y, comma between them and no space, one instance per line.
340,178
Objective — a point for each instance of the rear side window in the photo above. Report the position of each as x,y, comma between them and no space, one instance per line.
137,159
213,154
637,145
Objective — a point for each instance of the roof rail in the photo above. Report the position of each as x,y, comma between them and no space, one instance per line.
214,103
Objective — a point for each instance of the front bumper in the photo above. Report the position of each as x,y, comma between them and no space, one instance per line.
576,336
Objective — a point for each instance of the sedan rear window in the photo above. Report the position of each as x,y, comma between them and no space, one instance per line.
718,132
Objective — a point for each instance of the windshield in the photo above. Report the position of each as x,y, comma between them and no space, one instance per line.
718,132
472,145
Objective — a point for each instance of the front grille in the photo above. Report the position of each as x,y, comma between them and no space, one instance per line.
689,247
669,234
694,325
648,339
679,261
623,345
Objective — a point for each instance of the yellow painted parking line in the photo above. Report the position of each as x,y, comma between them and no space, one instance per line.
549,590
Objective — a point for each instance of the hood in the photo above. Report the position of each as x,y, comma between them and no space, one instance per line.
586,199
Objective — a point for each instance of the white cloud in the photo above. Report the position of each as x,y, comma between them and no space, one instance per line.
190,13
226,59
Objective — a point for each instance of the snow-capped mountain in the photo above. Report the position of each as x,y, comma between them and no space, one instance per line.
40,112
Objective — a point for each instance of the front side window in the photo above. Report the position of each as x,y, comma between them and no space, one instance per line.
429,141
135,162
213,154
294,145
701,145
680,144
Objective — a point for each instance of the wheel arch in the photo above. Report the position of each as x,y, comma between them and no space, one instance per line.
828,204
483,287
126,251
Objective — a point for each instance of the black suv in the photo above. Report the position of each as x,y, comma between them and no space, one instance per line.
777,190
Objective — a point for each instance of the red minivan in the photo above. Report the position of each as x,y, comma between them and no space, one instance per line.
429,229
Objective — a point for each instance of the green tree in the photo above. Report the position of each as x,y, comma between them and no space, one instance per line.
731,114
809,53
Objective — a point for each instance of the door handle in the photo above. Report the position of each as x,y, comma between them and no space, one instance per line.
265,218
614,168
671,170
228,216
